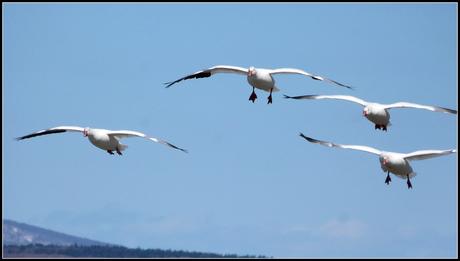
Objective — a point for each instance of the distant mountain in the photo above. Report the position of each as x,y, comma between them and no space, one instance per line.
23,240
15,233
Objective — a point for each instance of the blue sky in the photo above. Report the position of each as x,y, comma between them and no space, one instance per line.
249,184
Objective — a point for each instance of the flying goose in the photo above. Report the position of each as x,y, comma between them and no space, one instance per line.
257,77
375,112
396,163
107,140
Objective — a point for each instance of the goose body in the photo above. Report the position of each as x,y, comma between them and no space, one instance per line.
101,139
262,80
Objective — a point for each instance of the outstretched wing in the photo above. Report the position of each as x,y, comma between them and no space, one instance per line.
210,71
335,97
353,147
52,131
426,154
419,106
314,77
127,133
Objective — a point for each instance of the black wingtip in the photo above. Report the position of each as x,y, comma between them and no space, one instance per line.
184,150
177,148
346,86
450,110
299,97
40,133
343,85
307,138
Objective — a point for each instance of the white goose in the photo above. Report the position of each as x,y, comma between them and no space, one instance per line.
257,77
104,139
375,112
396,163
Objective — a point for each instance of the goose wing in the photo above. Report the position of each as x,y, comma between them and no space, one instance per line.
419,106
210,71
427,154
53,130
127,133
314,77
353,147
335,97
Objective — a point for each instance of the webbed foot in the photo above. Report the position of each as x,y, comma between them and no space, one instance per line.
253,96
409,185
388,179
270,100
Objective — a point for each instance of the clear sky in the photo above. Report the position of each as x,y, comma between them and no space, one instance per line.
249,184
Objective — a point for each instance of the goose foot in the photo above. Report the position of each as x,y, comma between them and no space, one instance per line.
270,100
119,152
409,185
110,152
381,127
253,96
388,179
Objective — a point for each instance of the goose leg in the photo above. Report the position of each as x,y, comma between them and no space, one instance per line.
118,151
270,96
253,96
388,179
377,126
384,127
110,152
409,185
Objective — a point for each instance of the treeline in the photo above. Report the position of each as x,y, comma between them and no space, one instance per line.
39,250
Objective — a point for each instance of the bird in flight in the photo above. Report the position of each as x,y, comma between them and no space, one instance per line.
375,112
107,140
257,77
394,162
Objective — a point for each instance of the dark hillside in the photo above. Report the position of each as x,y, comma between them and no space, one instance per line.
39,250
